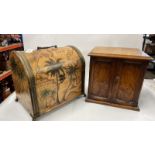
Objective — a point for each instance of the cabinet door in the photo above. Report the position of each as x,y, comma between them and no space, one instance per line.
127,82
101,72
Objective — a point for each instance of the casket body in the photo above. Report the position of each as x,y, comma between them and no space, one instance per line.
46,79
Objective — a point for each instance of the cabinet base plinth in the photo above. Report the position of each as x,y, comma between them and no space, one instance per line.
113,104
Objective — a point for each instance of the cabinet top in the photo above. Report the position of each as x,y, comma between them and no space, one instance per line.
118,52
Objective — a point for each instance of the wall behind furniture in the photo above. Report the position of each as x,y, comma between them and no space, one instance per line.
85,42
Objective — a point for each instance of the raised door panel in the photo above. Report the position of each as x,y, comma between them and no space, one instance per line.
100,78
128,83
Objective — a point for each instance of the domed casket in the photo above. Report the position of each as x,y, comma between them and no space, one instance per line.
46,79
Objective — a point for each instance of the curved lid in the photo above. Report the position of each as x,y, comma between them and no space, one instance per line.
119,52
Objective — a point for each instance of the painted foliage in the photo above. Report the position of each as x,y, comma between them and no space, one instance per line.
58,76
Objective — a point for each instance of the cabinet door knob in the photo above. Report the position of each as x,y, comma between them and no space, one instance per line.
117,77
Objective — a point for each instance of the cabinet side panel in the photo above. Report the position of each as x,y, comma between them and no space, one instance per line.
21,83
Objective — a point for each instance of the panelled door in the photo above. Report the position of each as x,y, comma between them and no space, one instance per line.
126,82
101,74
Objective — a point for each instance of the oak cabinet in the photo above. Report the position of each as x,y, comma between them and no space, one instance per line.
116,76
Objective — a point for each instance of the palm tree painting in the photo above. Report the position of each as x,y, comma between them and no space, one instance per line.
19,75
55,68
46,93
16,69
71,70
52,94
